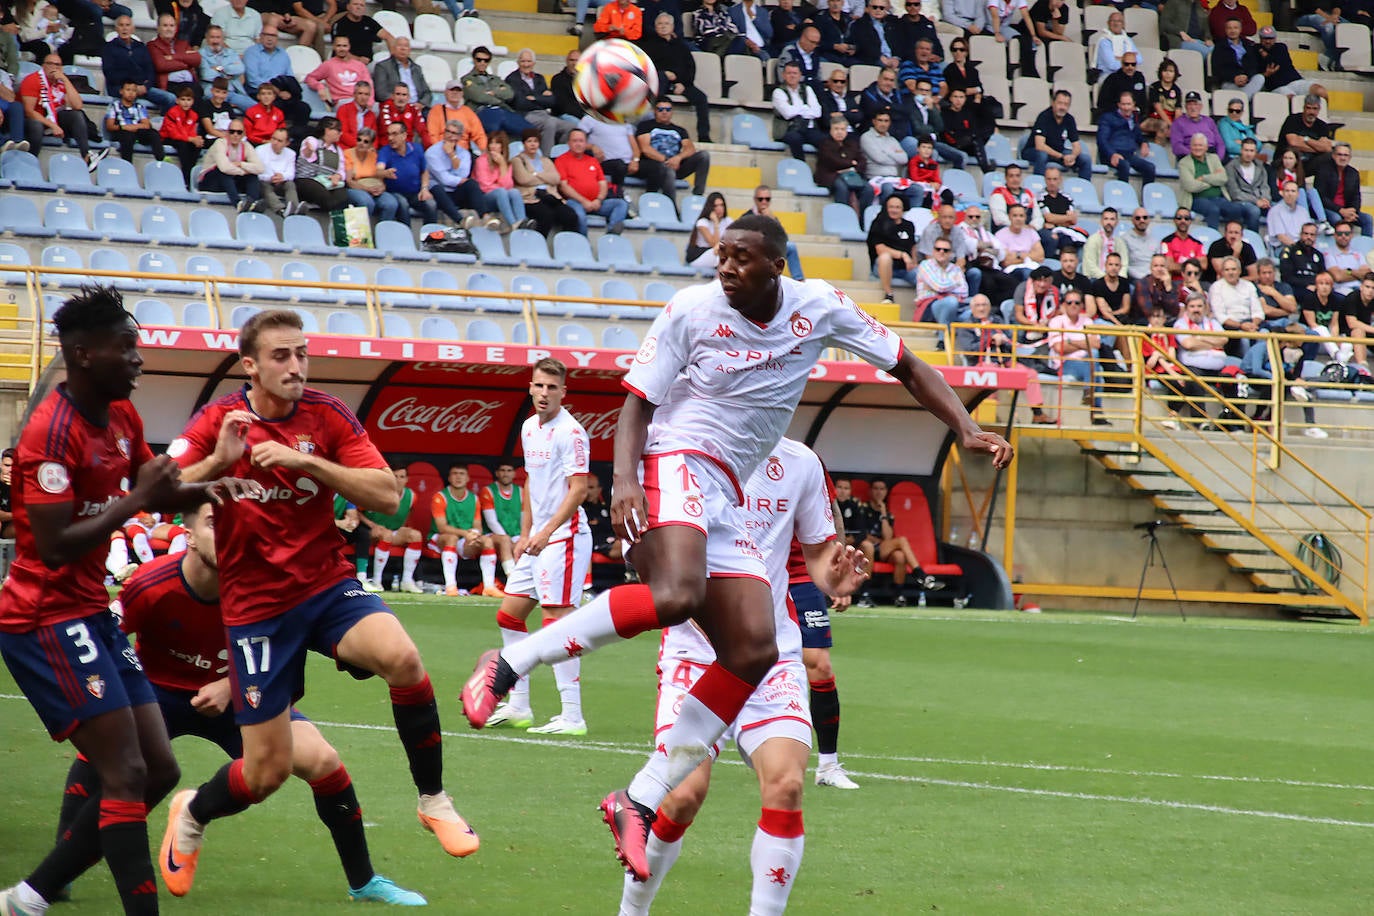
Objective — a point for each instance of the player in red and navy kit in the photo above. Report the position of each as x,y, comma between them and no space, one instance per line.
172,605
712,388
286,588
79,453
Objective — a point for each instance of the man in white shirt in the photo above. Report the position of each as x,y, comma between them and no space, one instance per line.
1102,243
279,174
1283,225
1204,350
796,106
1235,303
241,24
1346,265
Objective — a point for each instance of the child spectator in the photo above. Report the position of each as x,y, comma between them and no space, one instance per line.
264,118
924,170
127,123
181,129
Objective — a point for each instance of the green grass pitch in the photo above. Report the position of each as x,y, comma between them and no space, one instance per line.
1057,764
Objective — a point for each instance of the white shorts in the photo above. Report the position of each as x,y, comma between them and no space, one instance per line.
687,488
433,544
778,708
555,576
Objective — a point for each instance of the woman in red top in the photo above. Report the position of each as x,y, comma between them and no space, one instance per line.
181,131
260,121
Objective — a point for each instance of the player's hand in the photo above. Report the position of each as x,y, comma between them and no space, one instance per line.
233,436
158,482
268,455
212,699
233,489
840,603
981,441
629,510
533,544
849,569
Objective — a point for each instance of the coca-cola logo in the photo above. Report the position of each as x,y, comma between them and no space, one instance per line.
470,416
468,368
599,425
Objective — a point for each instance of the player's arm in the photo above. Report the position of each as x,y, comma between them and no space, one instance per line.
572,501
371,489
629,508
836,569
438,513
212,699
488,509
932,392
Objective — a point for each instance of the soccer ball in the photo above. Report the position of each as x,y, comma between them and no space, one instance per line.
616,81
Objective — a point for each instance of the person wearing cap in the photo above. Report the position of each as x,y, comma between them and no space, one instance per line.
1120,143
1236,63
1277,66
453,109
1193,121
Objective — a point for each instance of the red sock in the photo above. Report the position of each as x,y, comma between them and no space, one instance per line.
667,829
507,622
777,822
722,692
632,611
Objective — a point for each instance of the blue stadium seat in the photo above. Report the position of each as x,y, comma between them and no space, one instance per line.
309,323
70,174
164,180
484,330
573,286
751,131
303,233
242,313
441,279
619,337
795,176
155,312
22,170
305,272
991,182
159,262
658,291
350,323
394,325
395,276
113,222
1159,199
1204,234
1000,152
439,329
64,257
210,228
196,314
521,334
14,256
529,285
661,254
620,289
256,269
257,232
1163,159
574,250
20,216
531,249
203,265
397,240
841,220
574,335
617,252
1083,193
961,184
656,211
490,249
1119,194
483,282
119,178
161,223
115,261
66,218
206,197
349,273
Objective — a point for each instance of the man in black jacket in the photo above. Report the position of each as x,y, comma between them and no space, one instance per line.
875,37
1338,184
837,98
533,101
677,71
1236,62
837,38
561,83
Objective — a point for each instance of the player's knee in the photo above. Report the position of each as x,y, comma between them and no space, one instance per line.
675,601
820,670
316,760
266,776
126,778
403,667
684,802
751,659
783,790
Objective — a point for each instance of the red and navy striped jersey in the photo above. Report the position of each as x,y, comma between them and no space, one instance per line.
179,636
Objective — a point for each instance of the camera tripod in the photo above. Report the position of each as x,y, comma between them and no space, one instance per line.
1150,529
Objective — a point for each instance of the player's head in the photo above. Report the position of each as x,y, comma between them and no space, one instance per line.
877,491
753,253
504,473
6,465
272,347
547,387
458,476
200,534
99,341
402,476
593,488
843,490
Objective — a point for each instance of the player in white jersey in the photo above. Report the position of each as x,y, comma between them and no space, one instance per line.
785,498
555,546
711,390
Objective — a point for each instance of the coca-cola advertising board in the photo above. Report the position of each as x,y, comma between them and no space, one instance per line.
443,421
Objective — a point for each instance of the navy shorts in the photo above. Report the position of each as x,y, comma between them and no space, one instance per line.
813,614
76,670
267,658
182,719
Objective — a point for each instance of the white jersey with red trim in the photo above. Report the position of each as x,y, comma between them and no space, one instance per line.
727,387
785,498
554,451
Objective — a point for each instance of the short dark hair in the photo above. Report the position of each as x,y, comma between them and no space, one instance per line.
94,308
220,82
480,50
186,91
130,82
529,132
1042,273
774,236
272,318
1112,210
1064,92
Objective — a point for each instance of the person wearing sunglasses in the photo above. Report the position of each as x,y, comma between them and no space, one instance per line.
666,153
1236,63
233,166
1235,130
838,99
1180,246
875,35
1126,78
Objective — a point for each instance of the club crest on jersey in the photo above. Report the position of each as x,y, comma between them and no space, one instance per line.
647,350
692,506
95,686
305,444
801,325
773,468
52,477
252,696
122,443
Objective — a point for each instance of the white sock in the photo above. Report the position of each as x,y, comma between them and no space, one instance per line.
568,675
827,760
686,744
637,896
380,554
487,561
142,549
507,567
29,897
519,696
448,559
176,545
774,861
589,628
409,560
118,557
